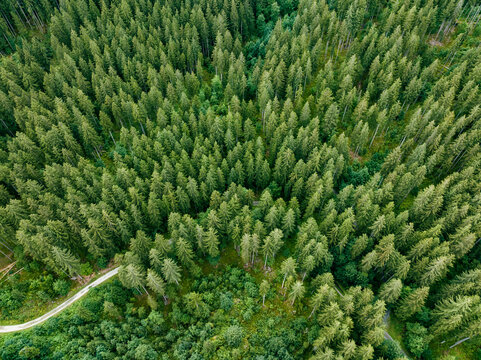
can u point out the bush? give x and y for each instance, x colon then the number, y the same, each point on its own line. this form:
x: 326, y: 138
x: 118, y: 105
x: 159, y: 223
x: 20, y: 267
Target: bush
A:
x: 61, y: 287
x: 390, y: 350
x: 226, y: 301
x: 102, y: 263
x: 234, y: 335
x: 417, y: 338
x: 10, y: 300
x: 251, y: 289
x: 247, y: 315
x: 85, y: 269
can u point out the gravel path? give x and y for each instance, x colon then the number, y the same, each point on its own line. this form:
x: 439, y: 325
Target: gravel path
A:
x: 386, y: 334
x: 62, y: 306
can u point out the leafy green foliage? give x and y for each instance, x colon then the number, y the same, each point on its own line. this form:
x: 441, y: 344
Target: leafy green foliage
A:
x: 417, y: 338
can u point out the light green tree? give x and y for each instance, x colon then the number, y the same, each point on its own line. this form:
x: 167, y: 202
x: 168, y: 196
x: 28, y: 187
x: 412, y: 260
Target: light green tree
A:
x: 297, y: 292
x: 171, y: 271
x: 264, y: 289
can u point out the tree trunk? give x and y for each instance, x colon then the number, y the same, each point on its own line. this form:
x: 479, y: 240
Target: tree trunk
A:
x: 8, y: 41
x: 110, y: 132
x: 98, y: 154
x: 5, y: 254
x: 374, y: 136
x: 460, y: 341
x: 1, y: 242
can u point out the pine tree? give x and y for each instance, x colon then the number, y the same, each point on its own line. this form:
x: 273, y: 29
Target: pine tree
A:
x: 331, y: 119
x: 319, y: 298
x: 289, y: 222
x: 184, y: 252
x: 297, y: 292
x: 288, y: 268
x: 132, y: 277
x: 245, y: 246
x: 156, y: 283
x: 171, y: 271
x: 211, y: 243
x: 308, y: 264
x: 412, y: 303
x: 141, y: 246
x: 390, y: 291
x: 65, y: 261
x: 436, y: 270
x: 457, y: 318
x: 272, y: 244
x: 264, y: 289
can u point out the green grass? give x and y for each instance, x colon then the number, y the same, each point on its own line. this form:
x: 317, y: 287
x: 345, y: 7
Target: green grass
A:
x: 4, y: 261
x: 34, y: 308
x: 395, y: 328
x: 465, y: 351
x: 460, y: 352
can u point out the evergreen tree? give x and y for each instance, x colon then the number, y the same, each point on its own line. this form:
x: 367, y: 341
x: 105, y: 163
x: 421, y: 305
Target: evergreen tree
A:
x: 171, y: 271
x: 288, y: 268
x: 156, y: 283
x: 297, y: 292
x: 263, y: 290
x: 412, y: 302
x: 390, y: 291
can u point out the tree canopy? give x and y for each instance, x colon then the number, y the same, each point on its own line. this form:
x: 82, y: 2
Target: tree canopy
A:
x: 316, y: 142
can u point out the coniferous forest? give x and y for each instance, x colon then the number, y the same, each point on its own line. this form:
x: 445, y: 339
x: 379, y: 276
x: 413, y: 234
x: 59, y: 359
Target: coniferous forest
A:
x: 275, y: 179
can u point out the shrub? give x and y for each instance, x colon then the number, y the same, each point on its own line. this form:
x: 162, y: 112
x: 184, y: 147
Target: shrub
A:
x: 417, y: 338
x: 85, y: 269
x: 226, y: 301
x: 61, y: 287
x: 234, y: 335
x: 390, y: 350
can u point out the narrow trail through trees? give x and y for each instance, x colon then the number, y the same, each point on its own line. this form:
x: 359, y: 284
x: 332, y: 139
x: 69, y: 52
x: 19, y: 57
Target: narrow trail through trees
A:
x: 61, y: 307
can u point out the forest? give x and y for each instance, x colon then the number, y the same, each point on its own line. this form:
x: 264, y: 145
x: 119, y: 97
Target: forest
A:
x: 275, y: 179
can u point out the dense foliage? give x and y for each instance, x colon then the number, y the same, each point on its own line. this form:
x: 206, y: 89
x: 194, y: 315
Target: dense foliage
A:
x: 108, y: 324
x: 18, y: 18
x: 323, y: 141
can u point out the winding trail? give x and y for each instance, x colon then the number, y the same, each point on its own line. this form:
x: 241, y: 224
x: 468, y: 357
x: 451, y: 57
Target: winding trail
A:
x: 62, y: 306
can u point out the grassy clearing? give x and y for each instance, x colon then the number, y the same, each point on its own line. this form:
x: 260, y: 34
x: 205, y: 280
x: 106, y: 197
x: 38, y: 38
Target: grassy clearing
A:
x: 395, y: 328
x: 4, y: 261
x: 460, y: 352
x: 465, y: 351
x: 34, y: 307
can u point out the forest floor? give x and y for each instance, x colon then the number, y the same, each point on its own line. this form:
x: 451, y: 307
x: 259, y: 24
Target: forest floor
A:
x: 41, y: 312
x: 61, y: 307
x: 394, y: 331
x: 229, y: 257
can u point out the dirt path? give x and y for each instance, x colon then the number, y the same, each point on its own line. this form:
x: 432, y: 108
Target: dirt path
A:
x: 386, y: 334
x: 62, y: 306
